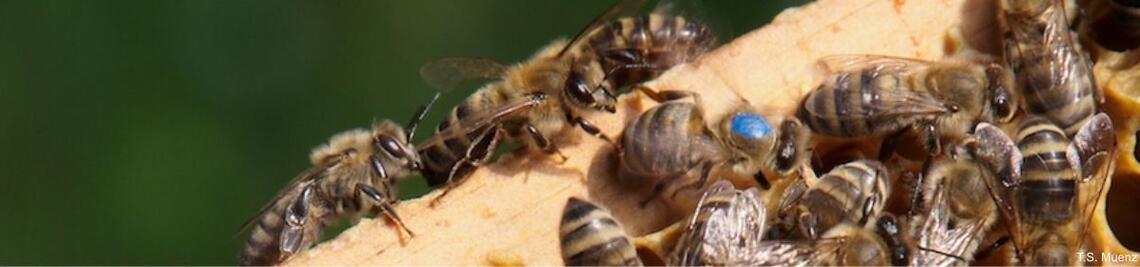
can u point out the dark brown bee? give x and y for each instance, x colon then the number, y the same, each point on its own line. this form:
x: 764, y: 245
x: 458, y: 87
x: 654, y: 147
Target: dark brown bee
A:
x: 855, y: 192
x: 354, y: 174
x: 726, y: 229
x: 1048, y: 186
x: 1053, y: 77
x: 541, y: 98
x: 672, y: 145
x: 590, y: 237
x: 956, y: 214
x: 869, y: 95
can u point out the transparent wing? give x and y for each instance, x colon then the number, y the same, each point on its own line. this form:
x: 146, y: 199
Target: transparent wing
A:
x: 478, y: 122
x: 295, y: 185
x: 1070, y: 68
x: 619, y: 9
x: 940, y: 241
x: 796, y: 253
x: 879, y: 64
x: 1095, y: 143
x: 881, y: 104
x: 445, y: 74
x: 726, y: 229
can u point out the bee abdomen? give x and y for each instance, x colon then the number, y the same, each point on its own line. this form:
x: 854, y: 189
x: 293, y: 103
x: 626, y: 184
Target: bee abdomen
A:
x: 441, y: 158
x: 590, y: 236
x: 263, y: 246
x: 842, y: 108
x: 676, y: 123
x: 660, y: 41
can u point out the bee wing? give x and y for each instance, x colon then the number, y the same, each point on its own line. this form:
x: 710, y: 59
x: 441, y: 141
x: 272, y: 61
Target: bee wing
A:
x: 879, y: 64
x: 1094, y: 145
x: 796, y: 253
x: 447, y: 73
x: 885, y: 104
x: 726, y: 227
x: 1070, y: 66
x: 619, y: 9
x: 941, y: 242
x: 480, y: 121
x: 298, y: 183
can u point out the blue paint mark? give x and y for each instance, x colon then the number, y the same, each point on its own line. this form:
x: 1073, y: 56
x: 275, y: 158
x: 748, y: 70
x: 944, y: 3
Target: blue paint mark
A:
x: 750, y: 125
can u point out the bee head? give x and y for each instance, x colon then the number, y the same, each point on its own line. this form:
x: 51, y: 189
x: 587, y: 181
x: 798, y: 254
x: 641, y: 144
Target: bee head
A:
x: 394, y: 152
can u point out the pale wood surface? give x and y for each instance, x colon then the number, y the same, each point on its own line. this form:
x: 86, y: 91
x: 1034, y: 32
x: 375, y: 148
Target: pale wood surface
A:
x: 507, y: 213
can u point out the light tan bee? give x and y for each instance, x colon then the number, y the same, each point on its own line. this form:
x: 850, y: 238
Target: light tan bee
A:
x: 956, y: 211
x: 353, y: 175
x: 590, y: 236
x: 673, y: 146
x: 1053, y: 77
x: 538, y: 100
x: 852, y: 193
x: 869, y: 95
x: 1048, y: 184
x: 726, y: 229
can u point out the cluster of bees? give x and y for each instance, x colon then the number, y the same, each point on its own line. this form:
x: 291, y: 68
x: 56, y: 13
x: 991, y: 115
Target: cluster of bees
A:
x: 1014, y: 151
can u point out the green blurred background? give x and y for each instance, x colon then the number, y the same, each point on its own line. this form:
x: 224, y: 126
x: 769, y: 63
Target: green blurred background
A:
x: 146, y: 132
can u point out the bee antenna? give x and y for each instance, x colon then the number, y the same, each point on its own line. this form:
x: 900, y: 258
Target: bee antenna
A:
x: 935, y: 251
x: 419, y: 116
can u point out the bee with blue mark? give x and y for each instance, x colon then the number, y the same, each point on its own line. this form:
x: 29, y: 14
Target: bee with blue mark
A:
x: 673, y: 146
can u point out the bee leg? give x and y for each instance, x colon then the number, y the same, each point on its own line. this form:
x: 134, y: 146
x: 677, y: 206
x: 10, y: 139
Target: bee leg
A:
x: 296, y: 215
x: 986, y: 251
x: 544, y: 143
x: 933, y: 144
x: 665, y: 95
x: 659, y: 188
x: 700, y: 183
x: 589, y: 127
x: 384, y: 201
x: 887, y: 149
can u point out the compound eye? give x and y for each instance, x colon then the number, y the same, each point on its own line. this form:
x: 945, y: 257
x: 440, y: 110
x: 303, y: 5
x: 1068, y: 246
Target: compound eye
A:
x: 578, y: 89
x: 390, y: 145
x: 750, y: 126
x: 1003, y: 105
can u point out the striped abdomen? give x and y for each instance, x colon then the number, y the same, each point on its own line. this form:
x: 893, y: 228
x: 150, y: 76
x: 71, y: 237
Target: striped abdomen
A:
x: 636, y: 49
x: 590, y: 237
x: 842, y: 195
x: 462, y: 153
x: 264, y: 244
x: 1052, y: 75
x: 861, y: 103
x: 666, y: 140
x: 1046, y: 194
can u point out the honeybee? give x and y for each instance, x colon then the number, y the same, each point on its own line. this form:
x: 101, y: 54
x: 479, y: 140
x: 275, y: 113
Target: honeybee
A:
x: 855, y: 192
x: 957, y: 211
x: 725, y: 230
x: 539, y: 99
x: 354, y: 174
x: 1052, y: 76
x: 1115, y: 24
x: 1048, y: 186
x: 590, y: 237
x: 868, y: 95
x: 845, y: 244
x: 673, y: 146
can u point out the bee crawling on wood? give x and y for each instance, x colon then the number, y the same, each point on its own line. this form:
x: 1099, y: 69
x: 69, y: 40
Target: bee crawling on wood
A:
x: 535, y: 101
x: 354, y: 174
